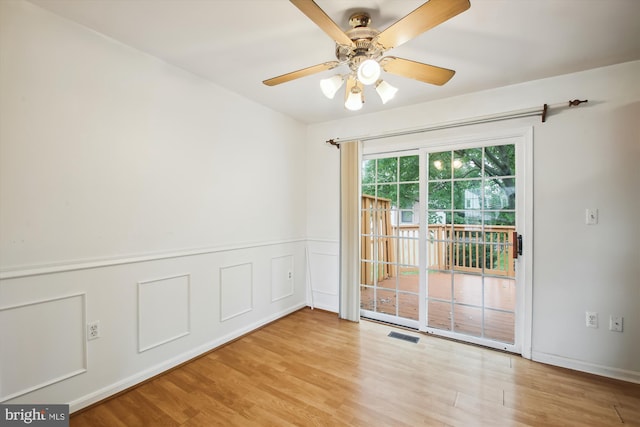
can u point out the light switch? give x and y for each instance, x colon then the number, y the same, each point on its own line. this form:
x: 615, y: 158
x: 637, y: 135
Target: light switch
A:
x: 591, y: 216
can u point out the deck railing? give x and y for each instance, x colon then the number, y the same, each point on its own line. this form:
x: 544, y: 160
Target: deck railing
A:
x: 459, y: 247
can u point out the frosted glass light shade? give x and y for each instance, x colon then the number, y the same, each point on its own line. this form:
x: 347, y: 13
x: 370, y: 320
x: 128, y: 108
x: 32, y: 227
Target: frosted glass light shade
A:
x: 386, y: 91
x: 354, y: 100
x: 368, y: 72
x: 331, y: 85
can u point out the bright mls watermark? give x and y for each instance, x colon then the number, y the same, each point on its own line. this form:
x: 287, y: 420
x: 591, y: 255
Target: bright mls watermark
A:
x: 34, y: 415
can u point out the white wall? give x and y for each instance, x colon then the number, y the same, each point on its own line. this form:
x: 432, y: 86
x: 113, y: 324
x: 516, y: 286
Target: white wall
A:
x: 167, y: 208
x: 585, y: 157
x: 139, y: 195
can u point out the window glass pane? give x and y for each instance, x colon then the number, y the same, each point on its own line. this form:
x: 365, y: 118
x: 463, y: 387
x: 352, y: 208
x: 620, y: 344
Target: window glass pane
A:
x: 500, y: 160
x: 500, y: 218
x: 467, y: 320
x: 467, y: 194
x: 440, y: 195
x: 409, y: 168
x: 368, y: 171
x: 439, y: 285
x: 439, y: 315
x: 440, y: 165
x: 500, y: 293
x: 388, y: 170
x: 467, y: 163
x: 407, y: 217
x: 468, y: 251
x: 409, y: 196
x: 499, y: 325
x: 386, y: 279
x: 499, y: 193
x: 497, y: 258
x: 408, y: 253
x: 439, y: 217
x: 467, y: 217
x: 439, y: 247
x: 367, y: 270
x: 408, y: 305
x: 368, y: 190
x: 386, y: 302
x: 467, y: 289
x: 367, y: 298
x: 394, y: 218
x: 387, y: 195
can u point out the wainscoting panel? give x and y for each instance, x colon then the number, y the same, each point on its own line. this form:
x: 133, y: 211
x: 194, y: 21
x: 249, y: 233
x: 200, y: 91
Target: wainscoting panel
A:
x: 164, y: 310
x: 53, y: 327
x: 236, y: 290
x: 324, y: 273
x: 281, y: 277
x: 155, y: 313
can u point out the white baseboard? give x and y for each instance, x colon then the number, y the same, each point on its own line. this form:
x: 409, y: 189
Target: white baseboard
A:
x: 591, y: 368
x: 119, y: 386
x: 324, y: 307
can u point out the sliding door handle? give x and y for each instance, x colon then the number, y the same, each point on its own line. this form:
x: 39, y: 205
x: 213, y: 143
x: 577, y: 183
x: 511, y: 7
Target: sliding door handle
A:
x: 516, y: 241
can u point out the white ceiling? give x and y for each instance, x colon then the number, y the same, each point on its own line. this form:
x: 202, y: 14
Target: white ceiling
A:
x: 239, y: 43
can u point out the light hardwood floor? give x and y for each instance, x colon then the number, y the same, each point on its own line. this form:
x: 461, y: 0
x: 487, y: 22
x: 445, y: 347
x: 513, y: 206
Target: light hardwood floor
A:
x: 310, y: 368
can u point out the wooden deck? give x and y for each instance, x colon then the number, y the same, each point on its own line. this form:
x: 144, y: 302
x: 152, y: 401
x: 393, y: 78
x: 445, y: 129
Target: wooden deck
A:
x: 499, y: 298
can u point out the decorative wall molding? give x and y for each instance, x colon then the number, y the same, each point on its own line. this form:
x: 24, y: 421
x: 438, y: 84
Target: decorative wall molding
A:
x: 161, y: 318
x: 62, y: 337
x: 282, y: 274
x: 323, y: 240
x: 236, y: 290
x: 86, y: 264
x: 186, y: 356
x: 330, y: 262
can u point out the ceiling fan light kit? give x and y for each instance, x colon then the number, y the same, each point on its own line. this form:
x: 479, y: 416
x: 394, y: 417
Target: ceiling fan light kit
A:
x: 386, y: 91
x: 368, y: 72
x: 355, y: 99
x: 362, y: 49
x: 331, y: 85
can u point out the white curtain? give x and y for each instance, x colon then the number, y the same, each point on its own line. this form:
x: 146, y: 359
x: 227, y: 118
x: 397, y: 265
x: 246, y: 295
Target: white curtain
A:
x: 350, y: 230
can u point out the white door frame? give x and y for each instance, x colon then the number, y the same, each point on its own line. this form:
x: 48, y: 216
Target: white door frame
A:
x: 523, y: 140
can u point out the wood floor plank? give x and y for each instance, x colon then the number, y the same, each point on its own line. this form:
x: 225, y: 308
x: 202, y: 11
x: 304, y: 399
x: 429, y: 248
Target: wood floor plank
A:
x: 312, y: 369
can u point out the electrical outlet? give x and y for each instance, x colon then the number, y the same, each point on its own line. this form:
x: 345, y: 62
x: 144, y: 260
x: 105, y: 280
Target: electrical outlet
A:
x: 591, y: 319
x: 615, y: 323
x: 290, y: 275
x: 93, y: 330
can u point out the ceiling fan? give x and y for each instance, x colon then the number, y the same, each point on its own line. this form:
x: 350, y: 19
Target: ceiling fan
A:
x: 362, y: 48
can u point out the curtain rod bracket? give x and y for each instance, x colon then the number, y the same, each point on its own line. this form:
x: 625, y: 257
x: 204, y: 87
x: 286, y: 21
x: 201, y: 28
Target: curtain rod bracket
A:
x: 546, y: 107
x: 334, y: 143
x: 576, y: 102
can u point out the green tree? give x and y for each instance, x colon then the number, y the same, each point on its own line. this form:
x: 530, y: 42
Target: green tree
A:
x: 393, y: 178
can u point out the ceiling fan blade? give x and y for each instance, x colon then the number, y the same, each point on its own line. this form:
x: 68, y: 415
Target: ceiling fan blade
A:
x: 427, y: 16
x: 301, y: 73
x: 416, y: 70
x: 322, y: 20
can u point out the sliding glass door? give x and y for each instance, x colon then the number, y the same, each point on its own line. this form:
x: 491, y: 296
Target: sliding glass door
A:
x: 471, y: 219
x: 390, y: 220
x: 438, y: 227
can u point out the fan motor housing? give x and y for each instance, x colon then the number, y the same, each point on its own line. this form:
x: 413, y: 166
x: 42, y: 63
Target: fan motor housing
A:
x: 362, y: 36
